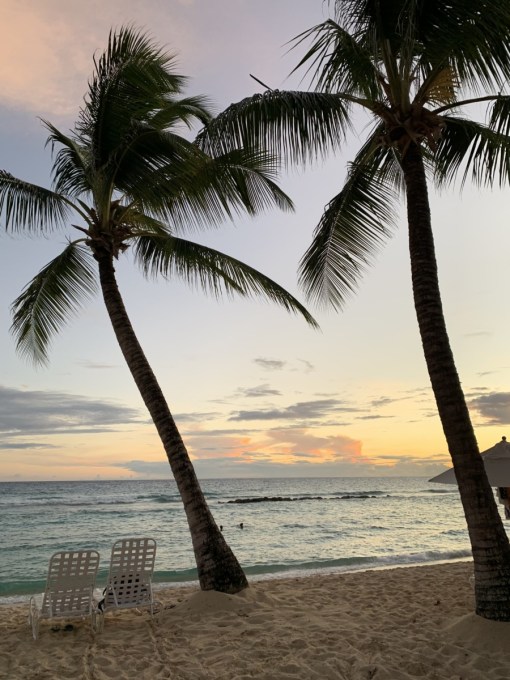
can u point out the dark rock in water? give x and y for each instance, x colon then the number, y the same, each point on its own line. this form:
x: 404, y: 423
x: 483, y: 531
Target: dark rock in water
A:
x: 289, y: 499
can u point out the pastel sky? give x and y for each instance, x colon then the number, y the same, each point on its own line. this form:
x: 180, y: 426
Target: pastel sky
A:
x: 255, y: 392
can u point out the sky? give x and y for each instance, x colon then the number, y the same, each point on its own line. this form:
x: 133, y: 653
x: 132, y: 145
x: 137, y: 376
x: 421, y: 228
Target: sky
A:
x: 255, y: 391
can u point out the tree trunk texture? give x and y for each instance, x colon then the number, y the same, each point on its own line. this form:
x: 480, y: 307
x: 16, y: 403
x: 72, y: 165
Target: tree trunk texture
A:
x: 489, y: 542
x: 218, y: 568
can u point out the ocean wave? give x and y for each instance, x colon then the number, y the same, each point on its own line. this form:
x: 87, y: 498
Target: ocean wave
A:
x: 357, y: 562
x: 159, y: 498
x: 361, y: 494
x: 72, y: 504
x: 18, y: 591
x: 454, y: 489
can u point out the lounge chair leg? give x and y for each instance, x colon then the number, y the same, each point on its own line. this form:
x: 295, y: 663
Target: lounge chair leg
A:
x: 98, y: 622
x: 34, y: 618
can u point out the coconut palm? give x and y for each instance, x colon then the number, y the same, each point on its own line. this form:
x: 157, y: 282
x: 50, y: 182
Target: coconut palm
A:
x: 126, y: 180
x: 413, y: 67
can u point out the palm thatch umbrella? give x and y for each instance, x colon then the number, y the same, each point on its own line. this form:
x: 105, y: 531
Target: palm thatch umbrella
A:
x: 497, y: 466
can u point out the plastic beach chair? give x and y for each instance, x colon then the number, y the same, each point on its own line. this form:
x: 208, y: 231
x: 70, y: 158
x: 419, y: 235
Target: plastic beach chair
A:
x: 130, y: 578
x: 69, y: 589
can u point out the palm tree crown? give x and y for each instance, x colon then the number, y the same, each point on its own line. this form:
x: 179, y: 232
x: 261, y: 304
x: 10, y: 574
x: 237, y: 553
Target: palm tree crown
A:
x: 413, y: 66
x: 126, y: 178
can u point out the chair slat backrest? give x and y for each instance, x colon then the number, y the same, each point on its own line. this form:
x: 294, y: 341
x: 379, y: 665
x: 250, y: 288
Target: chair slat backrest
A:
x: 70, y: 583
x: 131, y: 568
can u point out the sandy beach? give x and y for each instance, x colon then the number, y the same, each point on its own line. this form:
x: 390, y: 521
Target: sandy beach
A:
x: 394, y: 624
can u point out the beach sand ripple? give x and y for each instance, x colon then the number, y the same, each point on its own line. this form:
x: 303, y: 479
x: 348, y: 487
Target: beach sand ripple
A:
x: 395, y: 624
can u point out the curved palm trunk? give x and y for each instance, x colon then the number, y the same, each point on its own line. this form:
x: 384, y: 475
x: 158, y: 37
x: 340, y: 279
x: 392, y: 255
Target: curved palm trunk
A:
x: 218, y: 568
x: 489, y: 542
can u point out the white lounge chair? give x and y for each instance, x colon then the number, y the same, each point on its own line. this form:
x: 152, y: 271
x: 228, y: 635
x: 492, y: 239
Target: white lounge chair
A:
x: 130, y: 578
x: 69, y: 588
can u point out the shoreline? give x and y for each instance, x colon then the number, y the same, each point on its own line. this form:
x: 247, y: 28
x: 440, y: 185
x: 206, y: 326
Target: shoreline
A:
x: 290, y: 573
x: 395, y: 623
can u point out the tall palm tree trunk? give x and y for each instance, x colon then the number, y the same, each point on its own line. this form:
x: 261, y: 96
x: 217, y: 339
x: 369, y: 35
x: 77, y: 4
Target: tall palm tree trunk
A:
x: 490, y: 546
x: 218, y: 568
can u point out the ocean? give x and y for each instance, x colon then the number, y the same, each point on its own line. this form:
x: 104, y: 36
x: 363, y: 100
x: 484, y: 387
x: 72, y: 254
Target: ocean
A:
x: 290, y: 526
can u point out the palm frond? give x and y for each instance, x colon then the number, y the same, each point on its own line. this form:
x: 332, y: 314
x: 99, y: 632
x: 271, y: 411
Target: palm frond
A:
x: 133, y: 79
x: 294, y: 126
x: 199, y: 191
x: 26, y: 206
x: 185, y: 111
x: 353, y: 227
x: 439, y: 87
x: 339, y: 62
x: 56, y: 293
x: 142, y: 224
x: 212, y: 271
x: 473, y: 150
x: 499, y: 119
x: 71, y: 167
x: 139, y: 166
x: 469, y: 36
x: 233, y: 183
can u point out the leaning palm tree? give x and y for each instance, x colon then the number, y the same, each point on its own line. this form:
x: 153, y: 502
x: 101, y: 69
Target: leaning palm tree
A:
x: 125, y: 178
x: 412, y: 66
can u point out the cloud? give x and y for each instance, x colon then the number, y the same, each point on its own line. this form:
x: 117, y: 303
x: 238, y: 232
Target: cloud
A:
x: 95, y: 365
x: 494, y: 407
x: 270, y: 364
x: 46, y: 54
x: 146, y: 468
x: 302, y: 410
x: 42, y: 65
x: 382, y: 401
x: 221, y: 467
x: 28, y: 413
x: 373, y: 416
x: 29, y: 446
x: 196, y: 416
x: 279, y: 445
x: 479, y: 334
x: 259, y: 391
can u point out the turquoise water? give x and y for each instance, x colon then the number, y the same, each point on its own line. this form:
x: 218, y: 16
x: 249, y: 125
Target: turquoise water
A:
x: 318, y: 524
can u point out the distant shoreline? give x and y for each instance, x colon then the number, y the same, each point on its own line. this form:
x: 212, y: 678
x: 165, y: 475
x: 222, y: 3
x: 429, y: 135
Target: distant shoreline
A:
x: 15, y: 598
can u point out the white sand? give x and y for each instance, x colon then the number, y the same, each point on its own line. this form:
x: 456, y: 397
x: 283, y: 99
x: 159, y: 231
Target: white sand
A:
x: 393, y: 624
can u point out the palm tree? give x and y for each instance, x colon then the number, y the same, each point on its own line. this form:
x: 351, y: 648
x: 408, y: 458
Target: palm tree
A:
x: 412, y: 66
x: 125, y: 179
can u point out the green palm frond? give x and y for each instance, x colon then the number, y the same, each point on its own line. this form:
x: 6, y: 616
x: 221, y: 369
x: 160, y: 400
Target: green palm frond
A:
x: 26, y: 206
x: 355, y: 224
x: 235, y: 182
x: 199, y: 191
x: 141, y: 224
x: 71, y: 167
x: 295, y: 126
x: 212, y: 271
x: 473, y: 150
x: 499, y: 120
x: 458, y: 33
x: 339, y: 62
x: 463, y: 32
x: 56, y: 293
x: 185, y: 111
x: 134, y: 78
x: 145, y: 161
